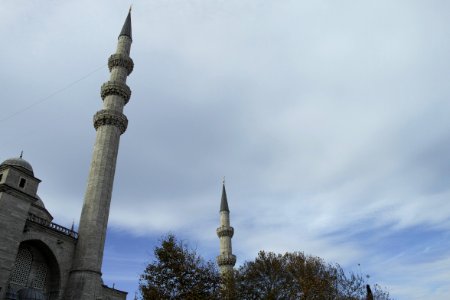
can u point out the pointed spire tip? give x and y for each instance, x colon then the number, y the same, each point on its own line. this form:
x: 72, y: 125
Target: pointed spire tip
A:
x: 224, y: 200
x: 126, y: 29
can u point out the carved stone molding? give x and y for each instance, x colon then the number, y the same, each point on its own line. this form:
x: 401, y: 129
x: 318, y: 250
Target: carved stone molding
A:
x: 110, y: 117
x: 226, y: 260
x: 116, y: 88
x: 6, y: 188
x: 120, y: 60
x: 225, y: 231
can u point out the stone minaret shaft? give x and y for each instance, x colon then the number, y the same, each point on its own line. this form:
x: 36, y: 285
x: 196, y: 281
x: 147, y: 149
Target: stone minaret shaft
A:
x: 226, y: 259
x: 110, y: 123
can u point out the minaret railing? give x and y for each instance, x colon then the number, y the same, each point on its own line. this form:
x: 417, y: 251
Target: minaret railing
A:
x: 225, y: 231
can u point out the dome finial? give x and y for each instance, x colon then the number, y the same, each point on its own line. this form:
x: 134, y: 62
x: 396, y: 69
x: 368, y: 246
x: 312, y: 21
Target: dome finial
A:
x: 21, y: 154
x: 19, y: 162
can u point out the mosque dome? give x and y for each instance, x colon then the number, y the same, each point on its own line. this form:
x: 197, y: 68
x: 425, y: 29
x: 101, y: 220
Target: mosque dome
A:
x: 30, y: 294
x: 18, y: 162
x: 39, y: 202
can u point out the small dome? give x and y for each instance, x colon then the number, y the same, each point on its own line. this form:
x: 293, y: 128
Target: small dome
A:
x: 18, y: 162
x: 39, y: 202
x: 30, y: 294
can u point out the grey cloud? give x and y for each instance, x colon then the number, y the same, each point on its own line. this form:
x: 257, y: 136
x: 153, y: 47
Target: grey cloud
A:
x: 321, y: 115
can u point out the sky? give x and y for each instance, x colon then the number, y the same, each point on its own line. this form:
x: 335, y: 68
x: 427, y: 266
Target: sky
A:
x: 329, y: 120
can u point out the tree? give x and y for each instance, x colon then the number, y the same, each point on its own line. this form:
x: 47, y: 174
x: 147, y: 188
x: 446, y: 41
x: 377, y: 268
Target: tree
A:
x: 288, y: 276
x: 179, y: 273
x: 298, y: 276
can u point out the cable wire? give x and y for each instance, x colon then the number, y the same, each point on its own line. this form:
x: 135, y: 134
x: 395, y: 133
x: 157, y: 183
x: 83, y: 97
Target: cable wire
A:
x: 51, y: 95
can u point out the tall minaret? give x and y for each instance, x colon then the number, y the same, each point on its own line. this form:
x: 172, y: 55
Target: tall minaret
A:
x: 226, y: 259
x: 85, y: 277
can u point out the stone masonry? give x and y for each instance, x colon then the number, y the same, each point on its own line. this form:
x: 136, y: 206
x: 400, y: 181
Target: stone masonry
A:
x: 15, y: 202
x: 35, y: 254
x: 85, y: 277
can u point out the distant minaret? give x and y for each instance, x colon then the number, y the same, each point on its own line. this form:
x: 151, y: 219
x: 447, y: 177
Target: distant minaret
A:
x: 85, y: 277
x: 226, y: 259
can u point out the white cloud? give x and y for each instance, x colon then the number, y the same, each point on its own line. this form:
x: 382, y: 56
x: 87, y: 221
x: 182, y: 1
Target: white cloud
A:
x: 329, y: 120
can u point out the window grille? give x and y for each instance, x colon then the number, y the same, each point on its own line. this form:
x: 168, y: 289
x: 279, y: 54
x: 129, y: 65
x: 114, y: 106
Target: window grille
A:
x: 41, y: 276
x: 22, y: 267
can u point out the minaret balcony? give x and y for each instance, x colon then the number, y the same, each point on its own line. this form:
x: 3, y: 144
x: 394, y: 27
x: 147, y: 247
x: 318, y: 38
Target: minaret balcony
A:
x: 225, y: 231
x: 110, y: 117
x: 226, y: 260
x: 120, y: 60
x: 116, y: 88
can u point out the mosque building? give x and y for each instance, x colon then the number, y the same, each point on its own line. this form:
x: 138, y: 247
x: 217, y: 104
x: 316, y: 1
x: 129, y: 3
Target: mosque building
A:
x: 41, y: 260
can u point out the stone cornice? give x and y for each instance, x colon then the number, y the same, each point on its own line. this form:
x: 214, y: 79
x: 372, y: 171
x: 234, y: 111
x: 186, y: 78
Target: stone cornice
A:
x: 85, y: 270
x: 120, y: 60
x: 30, y: 230
x: 116, y: 88
x: 111, y: 117
x: 6, y: 188
x: 28, y: 173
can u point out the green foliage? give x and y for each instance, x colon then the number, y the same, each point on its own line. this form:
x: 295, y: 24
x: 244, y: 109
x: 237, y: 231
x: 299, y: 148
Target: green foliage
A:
x: 298, y: 276
x: 288, y: 276
x: 179, y: 273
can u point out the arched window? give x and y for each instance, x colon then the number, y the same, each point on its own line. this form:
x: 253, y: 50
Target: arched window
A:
x: 36, y: 269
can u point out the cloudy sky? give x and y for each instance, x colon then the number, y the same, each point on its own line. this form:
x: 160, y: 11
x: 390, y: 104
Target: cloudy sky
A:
x: 329, y: 120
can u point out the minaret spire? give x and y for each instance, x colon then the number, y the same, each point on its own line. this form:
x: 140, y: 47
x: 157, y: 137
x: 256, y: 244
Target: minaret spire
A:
x: 126, y: 28
x: 224, y: 200
x: 226, y: 259
x: 110, y: 123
